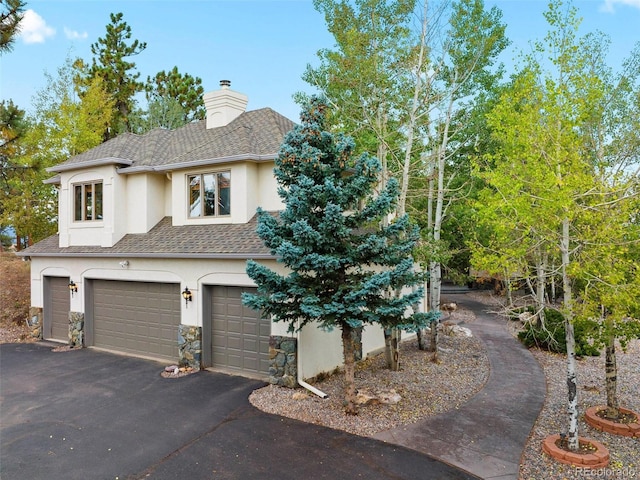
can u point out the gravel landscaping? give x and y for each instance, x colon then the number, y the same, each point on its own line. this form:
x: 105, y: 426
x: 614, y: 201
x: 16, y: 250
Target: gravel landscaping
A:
x: 427, y: 389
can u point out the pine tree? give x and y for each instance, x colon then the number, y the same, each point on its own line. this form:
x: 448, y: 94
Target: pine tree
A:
x: 11, y: 15
x: 110, y: 62
x: 344, y: 266
x: 183, y: 88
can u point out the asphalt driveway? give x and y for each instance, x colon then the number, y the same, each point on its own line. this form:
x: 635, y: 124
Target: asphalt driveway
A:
x: 93, y: 415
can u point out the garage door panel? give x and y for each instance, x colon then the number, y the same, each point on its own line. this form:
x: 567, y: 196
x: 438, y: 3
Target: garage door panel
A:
x: 234, y: 343
x: 239, y: 337
x: 235, y: 361
x: 250, y: 344
x: 249, y: 328
x: 234, y: 326
x: 219, y: 341
x: 139, y: 318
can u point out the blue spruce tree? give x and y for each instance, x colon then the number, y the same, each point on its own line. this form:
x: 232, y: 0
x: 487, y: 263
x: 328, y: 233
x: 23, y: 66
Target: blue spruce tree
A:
x: 347, y: 270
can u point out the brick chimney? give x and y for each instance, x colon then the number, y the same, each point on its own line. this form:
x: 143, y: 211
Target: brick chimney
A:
x: 224, y: 105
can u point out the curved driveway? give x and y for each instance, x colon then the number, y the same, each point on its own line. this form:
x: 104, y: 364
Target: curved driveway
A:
x: 486, y: 435
x: 92, y: 415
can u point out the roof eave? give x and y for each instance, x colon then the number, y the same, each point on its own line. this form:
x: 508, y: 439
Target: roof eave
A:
x: 55, y: 180
x: 212, y: 256
x: 251, y: 157
x: 65, y: 167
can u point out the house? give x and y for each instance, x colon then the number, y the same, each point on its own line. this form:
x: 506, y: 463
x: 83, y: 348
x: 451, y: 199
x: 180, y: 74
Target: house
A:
x: 154, y: 234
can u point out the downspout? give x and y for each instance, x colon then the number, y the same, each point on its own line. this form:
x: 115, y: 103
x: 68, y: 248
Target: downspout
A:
x: 301, y: 382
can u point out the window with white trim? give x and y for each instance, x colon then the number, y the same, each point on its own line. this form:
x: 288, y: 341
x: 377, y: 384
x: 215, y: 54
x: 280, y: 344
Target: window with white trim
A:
x: 87, y: 201
x: 209, y: 194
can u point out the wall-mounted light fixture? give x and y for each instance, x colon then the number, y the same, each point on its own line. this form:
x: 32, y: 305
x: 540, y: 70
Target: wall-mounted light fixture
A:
x: 124, y: 263
x: 187, y: 295
x: 73, y: 288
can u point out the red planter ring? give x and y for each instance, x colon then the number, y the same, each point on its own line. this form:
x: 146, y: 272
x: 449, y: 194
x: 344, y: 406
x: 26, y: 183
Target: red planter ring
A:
x: 597, y: 459
x: 626, y: 429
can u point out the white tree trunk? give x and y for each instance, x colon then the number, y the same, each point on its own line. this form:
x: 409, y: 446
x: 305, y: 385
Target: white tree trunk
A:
x: 541, y: 278
x: 572, y: 383
x: 412, y: 124
x: 435, y: 282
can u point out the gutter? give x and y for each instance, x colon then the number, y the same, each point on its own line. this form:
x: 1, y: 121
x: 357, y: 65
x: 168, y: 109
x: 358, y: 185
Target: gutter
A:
x: 89, y: 163
x: 311, y: 388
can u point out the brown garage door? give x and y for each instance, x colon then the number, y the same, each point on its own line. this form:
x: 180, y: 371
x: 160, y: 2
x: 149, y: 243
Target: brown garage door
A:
x: 239, y: 336
x: 56, y: 308
x: 139, y: 318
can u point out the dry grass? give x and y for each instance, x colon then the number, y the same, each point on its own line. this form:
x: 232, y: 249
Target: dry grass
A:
x: 15, y: 297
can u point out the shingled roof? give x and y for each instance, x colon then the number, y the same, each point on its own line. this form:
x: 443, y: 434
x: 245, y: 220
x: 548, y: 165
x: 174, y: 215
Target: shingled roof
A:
x: 253, y: 135
x: 168, y: 241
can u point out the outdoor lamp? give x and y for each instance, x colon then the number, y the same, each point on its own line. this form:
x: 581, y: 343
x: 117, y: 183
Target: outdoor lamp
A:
x: 73, y: 288
x: 186, y: 294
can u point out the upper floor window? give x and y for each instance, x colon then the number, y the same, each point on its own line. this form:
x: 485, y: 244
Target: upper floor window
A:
x: 210, y: 194
x: 87, y: 201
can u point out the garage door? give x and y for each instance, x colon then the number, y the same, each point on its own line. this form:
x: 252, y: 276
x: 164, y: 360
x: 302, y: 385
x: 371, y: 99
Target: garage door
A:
x: 239, y: 336
x: 137, y: 318
x: 56, y: 308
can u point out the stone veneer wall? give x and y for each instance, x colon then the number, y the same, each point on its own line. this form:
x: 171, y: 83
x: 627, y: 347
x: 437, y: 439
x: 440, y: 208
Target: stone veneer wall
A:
x: 190, y: 346
x: 76, y: 329
x: 283, y: 352
x: 35, y: 322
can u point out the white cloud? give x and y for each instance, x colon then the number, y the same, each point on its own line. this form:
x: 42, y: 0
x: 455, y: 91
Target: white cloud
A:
x: 609, y: 5
x: 74, y: 34
x: 33, y: 28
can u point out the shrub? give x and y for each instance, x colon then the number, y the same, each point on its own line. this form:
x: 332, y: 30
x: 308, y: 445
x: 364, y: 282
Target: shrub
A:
x: 552, y: 336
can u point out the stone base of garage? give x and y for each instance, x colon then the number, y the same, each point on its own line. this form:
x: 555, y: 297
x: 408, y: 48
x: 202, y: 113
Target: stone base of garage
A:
x: 190, y: 346
x: 34, y: 322
x: 283, y: 353
x: 76, y: 329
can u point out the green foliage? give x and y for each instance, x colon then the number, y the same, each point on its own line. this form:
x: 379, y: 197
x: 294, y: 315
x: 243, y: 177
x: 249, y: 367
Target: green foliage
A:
x: 25, y: 203
x: 69, y: 118
x: 160, y: 113
x: 173, y: 100
x: 62, y: 125
x: 184, y: 89
x: 344, y: 267
x: 559, y: 185
x: 361, y: 76
x: 400, y: 94
x: 13, y: 126
x: 551, y: 335
x: 110, y: 62
x: 10, y: 18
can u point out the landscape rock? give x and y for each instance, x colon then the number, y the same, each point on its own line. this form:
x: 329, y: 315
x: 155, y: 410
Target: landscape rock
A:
x: 390, y: 398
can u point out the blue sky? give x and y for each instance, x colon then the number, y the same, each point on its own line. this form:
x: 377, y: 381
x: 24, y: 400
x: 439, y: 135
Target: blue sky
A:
x: 262, y: 46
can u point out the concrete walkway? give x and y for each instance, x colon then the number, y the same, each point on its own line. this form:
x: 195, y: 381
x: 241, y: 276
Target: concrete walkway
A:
x: 486, y: 436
